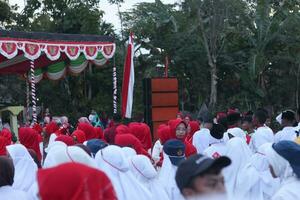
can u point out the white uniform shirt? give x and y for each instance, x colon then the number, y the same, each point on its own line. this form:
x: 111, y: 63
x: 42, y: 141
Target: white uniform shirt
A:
x: 215, y: 150
x: 8, y: 193
x: 289, y: 190
x: 261, y: 136
x: 287, y: 133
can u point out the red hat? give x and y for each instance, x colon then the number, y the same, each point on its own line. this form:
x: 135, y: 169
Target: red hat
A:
x: 99, y: 132
x: 68, y: 140
x: 75, y: 182
x: 30, y: 139
x: 79, y: 136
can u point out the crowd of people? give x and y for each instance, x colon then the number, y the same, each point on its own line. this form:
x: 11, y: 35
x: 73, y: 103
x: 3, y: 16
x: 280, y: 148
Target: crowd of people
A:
x: 227, y: 156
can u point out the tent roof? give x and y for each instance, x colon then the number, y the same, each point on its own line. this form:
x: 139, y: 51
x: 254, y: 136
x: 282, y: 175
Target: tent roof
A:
x: 18, y: 48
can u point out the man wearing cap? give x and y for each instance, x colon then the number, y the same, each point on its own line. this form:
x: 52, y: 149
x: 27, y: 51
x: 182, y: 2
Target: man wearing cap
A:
x: 218, y: 148
x: 202, y: 138
x: 284, y: 161
x: 200, y: 177
x: 288, y: 132
x: 173, y: 153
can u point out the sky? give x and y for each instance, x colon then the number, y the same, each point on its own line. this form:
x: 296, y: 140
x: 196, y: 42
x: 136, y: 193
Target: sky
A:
x: 111, y: 11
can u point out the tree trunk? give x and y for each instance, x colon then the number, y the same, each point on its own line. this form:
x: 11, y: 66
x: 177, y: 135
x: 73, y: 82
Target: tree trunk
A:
x: 213, y: 86
x: 297, y: 87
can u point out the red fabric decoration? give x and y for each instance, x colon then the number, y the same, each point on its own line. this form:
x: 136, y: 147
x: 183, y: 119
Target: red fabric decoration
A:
x: 7, y: 134
x: 99, y: 133
x: 68, y: 140
x: 3, y: 144
x: 88, y: 129
x: 129, y: 140
x: 79, y: 136
x: 142, y: 132
x: 76, y: 182
x: 30, y: 139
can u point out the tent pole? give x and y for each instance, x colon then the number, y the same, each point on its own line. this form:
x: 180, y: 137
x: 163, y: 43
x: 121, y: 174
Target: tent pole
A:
x: 33, y: 92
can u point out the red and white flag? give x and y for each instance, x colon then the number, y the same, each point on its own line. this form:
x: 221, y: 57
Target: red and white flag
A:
x: 128, y: 80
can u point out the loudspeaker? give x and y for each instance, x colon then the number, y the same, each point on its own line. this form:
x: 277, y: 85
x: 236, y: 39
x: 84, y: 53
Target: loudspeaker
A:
x: 160, y: 101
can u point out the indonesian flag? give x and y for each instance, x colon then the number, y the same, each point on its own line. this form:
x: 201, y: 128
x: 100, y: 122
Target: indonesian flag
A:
x: 128, y: 80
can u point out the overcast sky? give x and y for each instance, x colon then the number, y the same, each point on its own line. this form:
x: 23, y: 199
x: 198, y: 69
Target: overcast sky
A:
x: 110, y: 10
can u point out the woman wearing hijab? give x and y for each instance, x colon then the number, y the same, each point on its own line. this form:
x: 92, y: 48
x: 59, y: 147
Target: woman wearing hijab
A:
x: 30, y: 139
x: 284, y: 161
x: 99, y: 133
x: 142, y: 132
x: 3, y: 144
x: 239, y: 154
x: 76, y: 182
x: 25, y: 167
x: 163, y: 132
x: 194, y: 127
x: 63, y: 154
x: 79, y: 136
x: 112, y: 161
x: 145, y: 173
x: 7, y: 134
x: 88, y: 129
x: 68, y: 140
x: 255, y: 181
x: 129, y: 140
x: 7, y: 179
x: 178, y: 130
x: 129, y: 152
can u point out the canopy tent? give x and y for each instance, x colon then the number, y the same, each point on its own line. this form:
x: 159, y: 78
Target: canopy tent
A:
x: 51, y: 55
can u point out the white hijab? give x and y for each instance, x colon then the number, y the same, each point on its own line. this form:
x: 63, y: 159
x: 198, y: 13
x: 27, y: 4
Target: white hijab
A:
x: 129, y: 152
x: 255, y: 181
x: 144, y: 172
x: 112, y: 161
x: 281, y: 166
x: 167, y: 178
x: 239, y: 153
x: 25, y: 167
x: 60, y: 154
x: 51, y: 142
x: 236, y: 132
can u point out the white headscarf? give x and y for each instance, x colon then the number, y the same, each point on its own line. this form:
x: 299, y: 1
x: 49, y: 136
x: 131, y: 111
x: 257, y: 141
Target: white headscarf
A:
x: 255, y: 181
x: 236, y: 132
x: 52, y: 142
x: 202, y: 139
x: 167, y: 178
x: 62, y: 154
x: 281, y: 166
x: 261, y: 136
x: 112, y: 161
x: 144, y: 171
x: 25, y: 167
x: 239, y: 153
x: 129, y: 152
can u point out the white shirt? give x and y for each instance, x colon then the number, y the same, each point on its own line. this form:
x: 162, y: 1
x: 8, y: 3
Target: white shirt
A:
x: 287, y: 133
x: 215, y: 150
x: 289, y: 190
x: 201, y: 139
x: 157, y: 149
x: 261, y: 136
x: 8, y: 193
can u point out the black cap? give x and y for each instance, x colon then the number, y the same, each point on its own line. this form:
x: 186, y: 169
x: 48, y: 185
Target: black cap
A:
x: 195, y: 165
x: 217, y: 131
x: 175, y: 150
